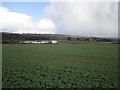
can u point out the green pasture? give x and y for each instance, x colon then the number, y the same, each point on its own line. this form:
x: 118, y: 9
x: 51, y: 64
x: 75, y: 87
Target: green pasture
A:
x: 59, y: 65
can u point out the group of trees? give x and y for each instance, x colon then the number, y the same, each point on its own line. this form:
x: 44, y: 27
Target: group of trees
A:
x: 92, y: 39
x: 10, y: 38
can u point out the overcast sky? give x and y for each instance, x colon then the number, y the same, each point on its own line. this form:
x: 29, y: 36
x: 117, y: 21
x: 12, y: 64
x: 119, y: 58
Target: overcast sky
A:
x: 76, y: 18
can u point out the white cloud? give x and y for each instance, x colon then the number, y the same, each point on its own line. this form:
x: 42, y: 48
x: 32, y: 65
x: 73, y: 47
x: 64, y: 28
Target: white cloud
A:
x: 84, y: 0
x: 23, y: 23
x: 81, y: 18
x: 93, y: 18
x: 46, y: 25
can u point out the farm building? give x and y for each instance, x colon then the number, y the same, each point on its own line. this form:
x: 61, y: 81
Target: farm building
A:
x: 54, y: 41
x: 45, y: 42
x: 39, y: 42
x: 28, y: 42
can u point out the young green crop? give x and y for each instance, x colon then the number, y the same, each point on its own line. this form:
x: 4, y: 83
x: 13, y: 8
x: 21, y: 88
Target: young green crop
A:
x: 60, y: 66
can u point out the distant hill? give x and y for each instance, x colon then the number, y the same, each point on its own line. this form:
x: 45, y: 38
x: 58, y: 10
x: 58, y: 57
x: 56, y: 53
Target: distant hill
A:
x: 15, y: 38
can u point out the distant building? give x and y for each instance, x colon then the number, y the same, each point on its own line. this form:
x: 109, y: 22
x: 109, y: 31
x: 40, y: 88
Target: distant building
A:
x: 39, y: 42
x: 28, y: 42
x: 54, y: 41
x: 45, y: 42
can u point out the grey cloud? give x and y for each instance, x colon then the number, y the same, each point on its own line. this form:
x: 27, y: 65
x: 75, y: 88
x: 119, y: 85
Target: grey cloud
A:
x: 93, y: 18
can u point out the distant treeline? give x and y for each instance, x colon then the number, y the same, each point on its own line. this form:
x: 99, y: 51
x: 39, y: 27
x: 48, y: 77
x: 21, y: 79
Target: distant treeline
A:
x: 11, y: 38
x: 15, y: 38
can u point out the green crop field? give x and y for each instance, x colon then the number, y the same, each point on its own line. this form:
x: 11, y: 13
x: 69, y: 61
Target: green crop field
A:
x: 60, y: 66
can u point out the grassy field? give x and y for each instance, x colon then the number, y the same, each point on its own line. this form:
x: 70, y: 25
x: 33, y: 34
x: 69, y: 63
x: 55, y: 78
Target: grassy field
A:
x: 60, y: 66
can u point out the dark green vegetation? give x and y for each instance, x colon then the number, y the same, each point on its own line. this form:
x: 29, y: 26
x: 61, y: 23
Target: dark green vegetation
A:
x: 12, y: 38
x: 60, y: 66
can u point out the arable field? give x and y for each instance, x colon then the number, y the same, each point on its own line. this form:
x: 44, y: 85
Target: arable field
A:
x: 60, y: 66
